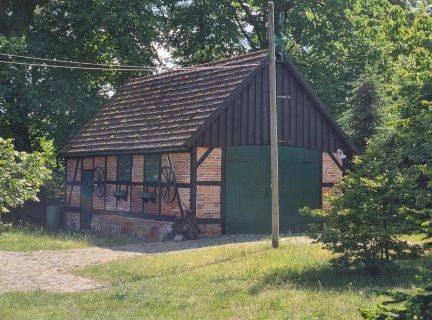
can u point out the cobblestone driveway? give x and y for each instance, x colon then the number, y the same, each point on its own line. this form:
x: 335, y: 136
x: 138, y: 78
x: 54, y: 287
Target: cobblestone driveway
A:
x: 51, y: 270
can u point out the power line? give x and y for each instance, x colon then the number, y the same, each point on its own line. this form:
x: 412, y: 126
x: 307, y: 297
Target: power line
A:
x: 107, y: 67
x: 71, y: 62
x: 72, y: 67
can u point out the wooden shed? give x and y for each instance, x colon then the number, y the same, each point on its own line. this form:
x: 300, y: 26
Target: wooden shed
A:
x: 199, y: 139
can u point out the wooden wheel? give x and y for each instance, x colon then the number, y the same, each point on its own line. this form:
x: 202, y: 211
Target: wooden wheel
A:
x: 168, y: 184
x: 99, y: 181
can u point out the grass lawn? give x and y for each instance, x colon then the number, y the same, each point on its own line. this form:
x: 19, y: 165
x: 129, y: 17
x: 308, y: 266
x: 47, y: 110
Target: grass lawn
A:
x: 29, y: 239
x: 242, y: 281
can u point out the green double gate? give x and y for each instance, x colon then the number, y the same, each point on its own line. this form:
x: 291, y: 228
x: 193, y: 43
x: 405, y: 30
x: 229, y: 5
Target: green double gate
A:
x: 248, y: 193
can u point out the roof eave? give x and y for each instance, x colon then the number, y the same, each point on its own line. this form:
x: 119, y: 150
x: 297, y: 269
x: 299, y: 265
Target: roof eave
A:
x: 66, y: 154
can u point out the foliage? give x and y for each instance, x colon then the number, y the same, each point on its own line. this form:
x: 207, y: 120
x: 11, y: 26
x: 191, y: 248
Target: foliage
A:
x: 38, y: 102
x: 364, y: 223
x: 388, y: 190
x: 21, y: 175
x: 413, y: 305
x: 362, y: 118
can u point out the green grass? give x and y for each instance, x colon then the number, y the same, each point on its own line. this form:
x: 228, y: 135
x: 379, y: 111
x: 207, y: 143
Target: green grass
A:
x: 242, y: 281
x: 33, y: 238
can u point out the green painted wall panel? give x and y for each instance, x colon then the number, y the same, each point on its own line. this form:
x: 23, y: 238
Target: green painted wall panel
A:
x: 248, y: 195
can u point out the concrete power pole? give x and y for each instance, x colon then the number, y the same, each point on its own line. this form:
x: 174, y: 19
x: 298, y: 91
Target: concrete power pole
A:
x: 274, y: 156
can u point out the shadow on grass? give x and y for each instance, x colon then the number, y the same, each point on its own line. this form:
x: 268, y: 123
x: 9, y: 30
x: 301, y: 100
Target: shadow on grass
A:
x: 40, y: 238
x: 151, y: 247
x: 333, y: 279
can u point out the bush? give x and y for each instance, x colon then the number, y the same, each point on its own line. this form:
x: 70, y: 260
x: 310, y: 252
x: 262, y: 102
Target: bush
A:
x: 366, y: 219
x: 413, y: 305
x: 21, y: 175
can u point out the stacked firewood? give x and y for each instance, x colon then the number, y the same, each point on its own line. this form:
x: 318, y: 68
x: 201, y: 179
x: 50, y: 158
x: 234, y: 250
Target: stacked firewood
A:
x: 184, y: 228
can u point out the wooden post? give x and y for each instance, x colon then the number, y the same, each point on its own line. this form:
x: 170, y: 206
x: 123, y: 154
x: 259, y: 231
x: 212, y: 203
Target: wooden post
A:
x: 193, y: 180
x: 274, y: 156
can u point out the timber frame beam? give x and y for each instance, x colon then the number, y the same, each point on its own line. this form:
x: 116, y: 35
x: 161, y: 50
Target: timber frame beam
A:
x: 204, y: 156
x: 341, y: 168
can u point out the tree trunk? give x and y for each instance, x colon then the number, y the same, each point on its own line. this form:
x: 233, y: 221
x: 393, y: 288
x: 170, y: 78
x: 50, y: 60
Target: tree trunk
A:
x: 2, y: 17
x: 22, y: 137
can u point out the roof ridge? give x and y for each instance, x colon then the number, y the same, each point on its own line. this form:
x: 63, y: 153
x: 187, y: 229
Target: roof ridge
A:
x: 189, y: 69
x: 221, y: 61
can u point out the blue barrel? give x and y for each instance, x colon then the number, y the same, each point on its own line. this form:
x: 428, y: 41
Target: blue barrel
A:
x: 52, y: 215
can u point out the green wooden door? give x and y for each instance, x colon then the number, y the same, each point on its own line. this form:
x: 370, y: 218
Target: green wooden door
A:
x: 86, y: 201
x: 299, y: 186
x: 247, y: 190
x: 248, y: 194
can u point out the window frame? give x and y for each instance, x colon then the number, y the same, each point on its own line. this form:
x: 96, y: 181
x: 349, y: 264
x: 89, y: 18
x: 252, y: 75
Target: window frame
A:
x: 156, y: 157
x: 122, y: 158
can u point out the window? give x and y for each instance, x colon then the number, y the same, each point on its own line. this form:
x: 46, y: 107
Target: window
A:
x: 124, y: 168
x: 151, y: 168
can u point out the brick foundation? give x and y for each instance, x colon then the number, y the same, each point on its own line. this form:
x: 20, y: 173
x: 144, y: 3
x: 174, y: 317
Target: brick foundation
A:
x: 114, y: 224
x: 142, y: 228
x: 72, y: 221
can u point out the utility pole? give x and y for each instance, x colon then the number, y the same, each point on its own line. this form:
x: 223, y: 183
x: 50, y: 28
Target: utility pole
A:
x: 274, y: 152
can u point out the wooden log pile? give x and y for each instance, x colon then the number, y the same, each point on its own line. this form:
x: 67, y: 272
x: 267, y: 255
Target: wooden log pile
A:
x: 186, y: 226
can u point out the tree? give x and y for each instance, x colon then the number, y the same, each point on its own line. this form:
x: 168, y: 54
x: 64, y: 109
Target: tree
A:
x: 364, y: 223
x: 38, y: 102
x: 414, y: 305
x: 361, y: 119
x: 388, y: 191
x: 21, y: 175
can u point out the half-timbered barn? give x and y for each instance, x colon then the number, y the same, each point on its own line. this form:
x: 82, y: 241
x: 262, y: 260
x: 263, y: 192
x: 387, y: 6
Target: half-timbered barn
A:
x: 198, y: 140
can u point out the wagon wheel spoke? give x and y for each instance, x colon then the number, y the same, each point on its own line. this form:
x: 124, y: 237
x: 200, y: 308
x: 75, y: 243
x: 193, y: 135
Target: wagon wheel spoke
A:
x: 165, y: 191
x: 165, y: 174
x: 170, y: 176
x: 167, y: 184
x: 168, y: 193
x: 99, y: 181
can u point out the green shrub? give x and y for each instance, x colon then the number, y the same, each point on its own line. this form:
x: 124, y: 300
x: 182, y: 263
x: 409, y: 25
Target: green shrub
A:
x: 366, y: 220
x: 21, y: 175
x: 413, y: 305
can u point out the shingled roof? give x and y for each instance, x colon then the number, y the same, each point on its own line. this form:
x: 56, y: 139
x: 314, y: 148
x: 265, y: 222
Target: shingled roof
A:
x: 162, y: 111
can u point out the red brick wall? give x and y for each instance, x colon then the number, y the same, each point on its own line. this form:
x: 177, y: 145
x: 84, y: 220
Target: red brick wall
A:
x: 111, y: 172
x: 136, y: 201
x: 70, y: 170
x: 208, y: 201
x: 72, y: 220
x: 210, y: 169
x: 152, y: 207
x: 210, y: 229
x: 330, y: 174
x: 208, y: 197
x: 88, y: 163
x: 73, y: 199
x: 123, y: 204
x: 99, y: 202
x: 181, y: 167
x: 138, y: 168
x: 114, y: 224
x: 111, y: 201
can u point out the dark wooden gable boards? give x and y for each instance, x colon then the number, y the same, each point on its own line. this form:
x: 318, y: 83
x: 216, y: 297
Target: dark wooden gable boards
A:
x: 303, y: 120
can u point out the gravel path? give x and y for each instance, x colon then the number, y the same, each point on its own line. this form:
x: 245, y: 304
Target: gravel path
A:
x: 50, y: 270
